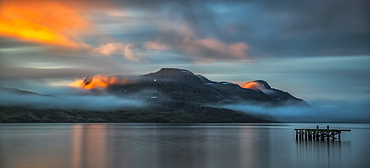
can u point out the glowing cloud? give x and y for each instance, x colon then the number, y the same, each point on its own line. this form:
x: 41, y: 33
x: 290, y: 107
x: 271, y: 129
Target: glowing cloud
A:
x: 152, y: 45
x: 117, y: 48
x: 49, y: 22
x: 98, y: 81
x: 257, y: 86
x: 236, y: 50
x: 200, y: 49
x: 254, y: 85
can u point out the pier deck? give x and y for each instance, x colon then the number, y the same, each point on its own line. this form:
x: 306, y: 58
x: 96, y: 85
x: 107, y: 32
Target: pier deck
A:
x: 317, y: 134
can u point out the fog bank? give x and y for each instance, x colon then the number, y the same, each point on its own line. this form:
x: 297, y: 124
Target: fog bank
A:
x: 341, y: 111
x: 82, y: 102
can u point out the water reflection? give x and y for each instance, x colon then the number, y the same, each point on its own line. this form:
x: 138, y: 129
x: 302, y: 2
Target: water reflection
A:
x: 34, y: 145
x: 250, y: 140
x: 320, y: 153
x: 112, y: 145
x: 88, y: 145
x: 76, y: 146
x: 176, y: 145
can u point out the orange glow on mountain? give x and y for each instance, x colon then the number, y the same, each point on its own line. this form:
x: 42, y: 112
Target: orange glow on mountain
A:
x: 251, y: 85
x: 49, y: 22
x: 257, y: 86
x: 98, y: 81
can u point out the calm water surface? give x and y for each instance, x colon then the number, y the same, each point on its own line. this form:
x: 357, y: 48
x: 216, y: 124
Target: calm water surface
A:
x: 178, y: 146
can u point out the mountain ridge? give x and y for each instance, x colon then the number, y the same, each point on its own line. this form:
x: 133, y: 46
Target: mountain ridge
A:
x: 182, y: 84
x: 172, y: 94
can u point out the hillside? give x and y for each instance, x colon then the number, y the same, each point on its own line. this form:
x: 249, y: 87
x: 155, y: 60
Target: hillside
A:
x: 170, y: 95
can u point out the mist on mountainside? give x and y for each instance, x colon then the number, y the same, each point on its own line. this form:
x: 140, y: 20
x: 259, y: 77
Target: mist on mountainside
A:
x: 171, y: 89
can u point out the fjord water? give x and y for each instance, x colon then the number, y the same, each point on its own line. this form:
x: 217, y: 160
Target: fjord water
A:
x: 178, y: 145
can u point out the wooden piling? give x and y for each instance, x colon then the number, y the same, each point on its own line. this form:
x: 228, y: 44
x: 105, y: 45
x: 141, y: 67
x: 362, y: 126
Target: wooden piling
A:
x: 327, y: 133
x: 339, y: 136
x: 296, y: 134
x: 305, y: 134
x: 317, y: 134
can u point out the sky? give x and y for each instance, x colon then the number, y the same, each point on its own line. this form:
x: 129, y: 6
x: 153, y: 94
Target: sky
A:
x: 314, y: 49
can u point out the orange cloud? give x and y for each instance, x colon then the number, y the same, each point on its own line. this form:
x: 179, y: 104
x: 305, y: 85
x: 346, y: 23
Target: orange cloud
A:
x: 236, y: 50
x: 152, y: 45
x: 200, y: 49
x: 98, y: 81
x: 48, y: 22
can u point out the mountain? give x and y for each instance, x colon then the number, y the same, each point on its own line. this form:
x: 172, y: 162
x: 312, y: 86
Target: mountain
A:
x: 172, y: 85
x: 171, y: 95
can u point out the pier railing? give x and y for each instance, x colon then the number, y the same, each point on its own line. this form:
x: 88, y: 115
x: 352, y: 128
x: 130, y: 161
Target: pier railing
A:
x: 317, y: 134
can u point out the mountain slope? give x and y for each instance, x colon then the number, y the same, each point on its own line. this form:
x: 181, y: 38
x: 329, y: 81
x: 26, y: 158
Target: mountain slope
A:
x: 170, y: 94
x: 180, y: 85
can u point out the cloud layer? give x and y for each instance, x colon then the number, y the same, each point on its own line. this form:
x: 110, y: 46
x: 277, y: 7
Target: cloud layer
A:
x: 198, y: 49
x: 68, y: 101
x: 314, y: 49
x: 201, y: 31
x: 346, y: 111
x: 126, y: 50
x: 49, y: 22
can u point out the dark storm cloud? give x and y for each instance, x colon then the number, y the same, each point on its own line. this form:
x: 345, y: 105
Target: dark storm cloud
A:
x: 23, y: 61
x: 31, y: 73
x: 319, y: 28
x: 177, y: 33
x: 86, y: 67
x: 275, y: 28
x: 267, y: 27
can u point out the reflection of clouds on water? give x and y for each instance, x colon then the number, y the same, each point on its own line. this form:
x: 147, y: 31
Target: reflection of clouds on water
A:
x: 88, y: 145
x: 178, y: 145
x: 168, y: 146
x: 33, y: 145
x: 249, y: 142
x: 76, y: 146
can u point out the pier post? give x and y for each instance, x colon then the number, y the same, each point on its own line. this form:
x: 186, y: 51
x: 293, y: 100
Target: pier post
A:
x: 333, y: 136
x: 306, y: 134
x: 301, y: 134
x: 327, y: 133
x: 339, y: 135
x: 296, y: 134
x: 317, y: 134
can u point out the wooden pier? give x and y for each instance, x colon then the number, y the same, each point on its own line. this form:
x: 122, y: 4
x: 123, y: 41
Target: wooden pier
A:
x: 317, y: 134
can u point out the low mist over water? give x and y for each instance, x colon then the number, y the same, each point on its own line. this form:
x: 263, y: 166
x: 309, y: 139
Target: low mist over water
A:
x: 178, y: 145
x: 337, y: 111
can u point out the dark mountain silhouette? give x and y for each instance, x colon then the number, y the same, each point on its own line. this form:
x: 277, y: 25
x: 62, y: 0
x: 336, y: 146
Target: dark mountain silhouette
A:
x: 173, y: 95
x: 173, y: 85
